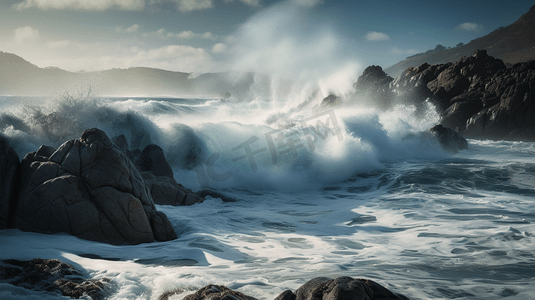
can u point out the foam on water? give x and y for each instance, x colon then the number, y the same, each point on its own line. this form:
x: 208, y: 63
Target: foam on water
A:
x: 383, y: 202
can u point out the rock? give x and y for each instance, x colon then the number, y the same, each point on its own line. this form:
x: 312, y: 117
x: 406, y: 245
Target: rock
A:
x: 90, y: 189
x: 330, y: 101
x: 513, y: 117
x: 449, y: 140
x: 214, y: 194
x: 9, y: 176
x: 153, y: 160
x: 158, y: 175
x: 320, y: 288
x: 217, y: 292
x: 52, y: 276
x: 343, y: 288
x: 373, y: 86
x: 166, y: 191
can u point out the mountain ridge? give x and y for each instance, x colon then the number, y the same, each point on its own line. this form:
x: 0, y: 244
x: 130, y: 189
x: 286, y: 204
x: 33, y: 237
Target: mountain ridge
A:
x: 513, y: 44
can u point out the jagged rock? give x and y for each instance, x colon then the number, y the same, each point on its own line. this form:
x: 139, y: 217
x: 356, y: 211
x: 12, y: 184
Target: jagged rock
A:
x: 374, y: 86
x: 449, y: 140
x: 513, y: 117
x: 330, y: 101
x: 9, y: 176
x: 217, y: 292
x: 341, y: 288
x: 153, y: 160
x: 214, y: 194
x: 166, y: 191
x: 90, y: 189
x: 52, y: 276
x: 320, y: 288
x: 158, y: 175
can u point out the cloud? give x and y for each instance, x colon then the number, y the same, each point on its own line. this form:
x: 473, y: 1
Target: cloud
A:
x: 191, y: 5
x: 26, y: 34
x: 180, y: 57
x: 88, y: 5
x: 219, y: 48
x: 308, y: 3
x: 247, y: 2
x: 470, y: 26
x: 377, y: 36
x: 186, y: 34
x: 131, y: 29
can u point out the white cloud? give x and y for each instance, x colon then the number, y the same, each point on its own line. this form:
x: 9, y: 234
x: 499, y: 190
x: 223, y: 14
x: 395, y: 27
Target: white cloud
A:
x: 131, y: 29
x: 26, y: 34
x: 470, y: 26
x: 219, y: 48
x: 308, y: 3
x: 377, y: 36
x: 89, y: 5
x: 186, y: 34
x: 175, y: 57
x: 247, y: 2
x: 191, y: 5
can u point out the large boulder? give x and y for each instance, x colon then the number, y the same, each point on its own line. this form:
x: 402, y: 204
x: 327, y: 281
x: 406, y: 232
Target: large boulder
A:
x: 449, y: 139
x: 51, y: 276
x: 341, y: 288
x: 158, y: 174
x: 373, y: 87
x: 90, y: 189
x: 9, y: 174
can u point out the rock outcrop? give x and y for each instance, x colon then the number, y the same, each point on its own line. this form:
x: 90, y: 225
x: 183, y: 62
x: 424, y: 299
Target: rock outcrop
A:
x: 90, y: 189
x: 477, y: 96
x: 449, y: 139
x: 373, y: 86
x: 158, y: 175
x: 52, y: 276
x: 9, y: 175
x: 321, y: 288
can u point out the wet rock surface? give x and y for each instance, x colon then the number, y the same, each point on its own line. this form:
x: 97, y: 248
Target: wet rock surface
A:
x: 320, y: 288
x: 51, y: 276
x: 90, y: 189
x: 9, y: 176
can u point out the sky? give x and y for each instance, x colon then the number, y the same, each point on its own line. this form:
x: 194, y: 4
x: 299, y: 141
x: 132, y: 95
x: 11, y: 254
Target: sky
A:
x: 280, y: 36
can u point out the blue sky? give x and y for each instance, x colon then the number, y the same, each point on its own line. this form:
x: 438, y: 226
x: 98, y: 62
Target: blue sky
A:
x: 197, y: 36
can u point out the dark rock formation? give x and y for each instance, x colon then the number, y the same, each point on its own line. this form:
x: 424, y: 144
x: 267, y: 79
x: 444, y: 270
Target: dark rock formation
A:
x: 449, y: 140
x: 158, y: 175
x: 330, y: 101
x: 90, y: 189
x: 52, y: 276
x: 9, y: 176
x: 321, y: 288
x: 374, y: 86
x: 342, y: 288
x: 217, y: 292
x: 477, y: 96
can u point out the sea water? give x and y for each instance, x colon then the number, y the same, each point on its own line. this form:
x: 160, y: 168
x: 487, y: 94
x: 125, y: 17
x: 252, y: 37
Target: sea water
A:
x: 319, y: 192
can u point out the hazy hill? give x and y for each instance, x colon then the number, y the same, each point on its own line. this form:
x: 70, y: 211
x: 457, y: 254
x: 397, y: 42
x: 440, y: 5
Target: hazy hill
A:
x: 512, y: 44
x: 22, y: 78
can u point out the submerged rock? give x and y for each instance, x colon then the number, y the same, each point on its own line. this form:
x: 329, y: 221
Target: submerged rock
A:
x: 90, y: 189
x: 9, y: 176
x: 52, y: 276
x: 449, y: 140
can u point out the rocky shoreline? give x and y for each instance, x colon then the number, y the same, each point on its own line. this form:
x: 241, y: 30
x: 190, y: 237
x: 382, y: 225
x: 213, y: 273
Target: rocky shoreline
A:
x: 477, y: 96
x: 59, y: 278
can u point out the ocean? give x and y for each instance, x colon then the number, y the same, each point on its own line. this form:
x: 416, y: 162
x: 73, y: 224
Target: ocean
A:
x: 341, y: 191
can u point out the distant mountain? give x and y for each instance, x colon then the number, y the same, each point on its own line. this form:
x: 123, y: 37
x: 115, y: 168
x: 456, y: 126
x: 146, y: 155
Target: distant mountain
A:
x: 512, y: 44
x: 22, y: 78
